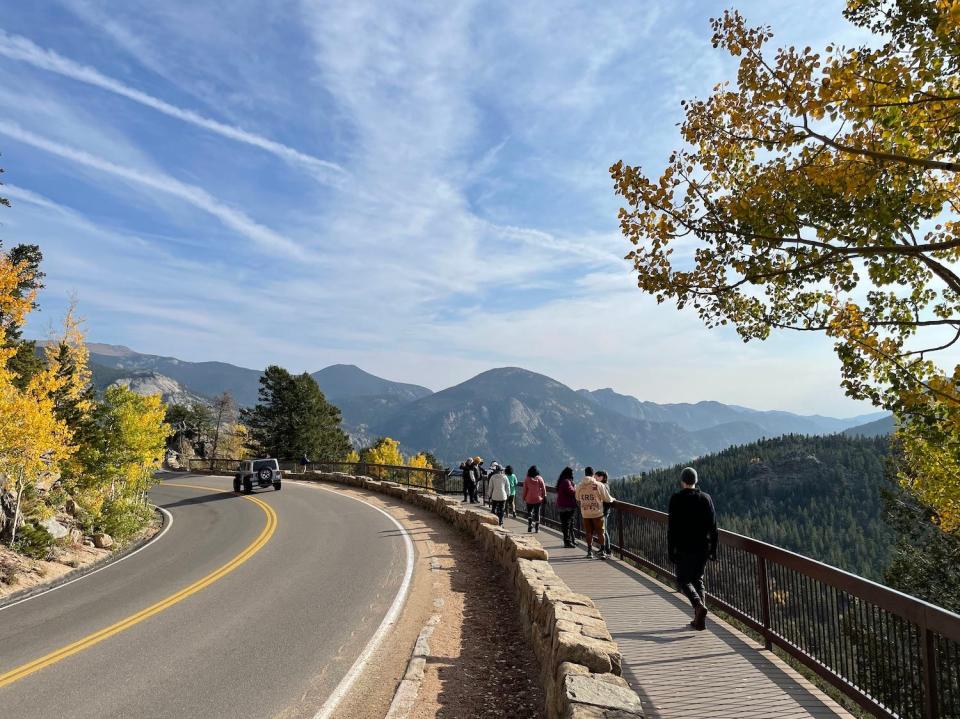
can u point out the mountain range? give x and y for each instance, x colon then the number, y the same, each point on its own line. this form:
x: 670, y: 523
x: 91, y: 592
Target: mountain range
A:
x: 510, y: 414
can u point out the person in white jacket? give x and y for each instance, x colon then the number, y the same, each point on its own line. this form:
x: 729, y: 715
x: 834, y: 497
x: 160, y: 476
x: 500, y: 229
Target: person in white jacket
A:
x: 499, y: 490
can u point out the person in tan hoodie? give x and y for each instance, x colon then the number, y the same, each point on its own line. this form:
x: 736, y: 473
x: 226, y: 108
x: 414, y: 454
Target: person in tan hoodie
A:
x: 591, y: 495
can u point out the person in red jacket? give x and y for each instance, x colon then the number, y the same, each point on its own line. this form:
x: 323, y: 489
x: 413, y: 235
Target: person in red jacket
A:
x: 566, y: 505
x: 534, y: 495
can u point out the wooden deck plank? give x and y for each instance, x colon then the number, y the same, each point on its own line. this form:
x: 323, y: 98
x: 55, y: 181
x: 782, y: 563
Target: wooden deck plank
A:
x: 679, y: 672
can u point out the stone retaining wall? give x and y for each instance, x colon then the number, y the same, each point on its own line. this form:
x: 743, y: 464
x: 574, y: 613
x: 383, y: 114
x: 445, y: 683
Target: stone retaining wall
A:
x: 580, y: 661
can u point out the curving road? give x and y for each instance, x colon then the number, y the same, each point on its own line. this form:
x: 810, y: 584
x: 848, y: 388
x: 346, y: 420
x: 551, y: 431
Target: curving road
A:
x: 241, y: 609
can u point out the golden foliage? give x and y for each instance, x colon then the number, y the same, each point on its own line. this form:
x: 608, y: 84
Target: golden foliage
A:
x: 819, y: 191
x: 33, y: 441
x: 384, y: 451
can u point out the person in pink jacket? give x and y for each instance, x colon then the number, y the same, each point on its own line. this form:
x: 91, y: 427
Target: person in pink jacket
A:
x: 534, y: 495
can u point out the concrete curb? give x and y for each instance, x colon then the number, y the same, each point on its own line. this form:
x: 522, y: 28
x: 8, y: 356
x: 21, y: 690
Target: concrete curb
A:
x: 83, y: 571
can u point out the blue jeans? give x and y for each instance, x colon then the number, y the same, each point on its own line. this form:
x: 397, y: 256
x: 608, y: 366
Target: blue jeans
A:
x: 606, y: 530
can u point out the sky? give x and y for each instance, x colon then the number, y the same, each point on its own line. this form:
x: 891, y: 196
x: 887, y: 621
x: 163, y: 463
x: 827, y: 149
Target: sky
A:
x: 419, y: 188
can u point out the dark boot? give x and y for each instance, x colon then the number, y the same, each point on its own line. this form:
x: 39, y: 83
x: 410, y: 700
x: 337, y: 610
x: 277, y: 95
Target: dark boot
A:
x: 699, y: 608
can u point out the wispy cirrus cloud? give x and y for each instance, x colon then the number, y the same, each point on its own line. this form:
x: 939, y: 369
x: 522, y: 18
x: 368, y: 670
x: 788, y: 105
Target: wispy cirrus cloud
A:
x: 22, y: 49
x: 196, y: 196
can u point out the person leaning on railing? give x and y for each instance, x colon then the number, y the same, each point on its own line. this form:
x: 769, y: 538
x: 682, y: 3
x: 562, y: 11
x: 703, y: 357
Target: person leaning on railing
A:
x: 691, y: 540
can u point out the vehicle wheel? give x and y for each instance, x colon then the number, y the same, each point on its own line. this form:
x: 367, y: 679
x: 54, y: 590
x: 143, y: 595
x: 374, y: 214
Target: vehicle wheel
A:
x: 265, y: 474
x: 236, y: 484
x: 247, y: 486
x: 276, y: 486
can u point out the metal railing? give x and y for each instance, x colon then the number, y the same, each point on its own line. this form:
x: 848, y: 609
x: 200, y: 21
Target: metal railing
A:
x: 435, y: 480
x: 895, y: 655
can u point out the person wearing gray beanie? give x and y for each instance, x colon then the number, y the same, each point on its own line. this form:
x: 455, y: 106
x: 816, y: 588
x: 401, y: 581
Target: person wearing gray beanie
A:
x: 692, y: 540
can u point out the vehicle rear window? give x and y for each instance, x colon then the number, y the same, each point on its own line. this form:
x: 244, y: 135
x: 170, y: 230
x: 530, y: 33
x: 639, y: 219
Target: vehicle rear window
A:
x: 261, y: 463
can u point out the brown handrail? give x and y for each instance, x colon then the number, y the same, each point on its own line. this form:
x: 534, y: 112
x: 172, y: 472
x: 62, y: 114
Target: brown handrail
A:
x: 856, y: 634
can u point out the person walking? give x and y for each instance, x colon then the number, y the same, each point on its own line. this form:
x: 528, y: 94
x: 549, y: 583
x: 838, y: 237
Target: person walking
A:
x: 499, y: 490
x: 566, y: 505
x: 511, y: 505
x: 602, y: 477
x: 691, y: 541
x: 304, y: 462
x: 534, y: 495
x: 591, y: 495
x: 469, y: 482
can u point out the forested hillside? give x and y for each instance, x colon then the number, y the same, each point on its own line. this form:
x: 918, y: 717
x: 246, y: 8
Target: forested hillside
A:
x: 820, y: 496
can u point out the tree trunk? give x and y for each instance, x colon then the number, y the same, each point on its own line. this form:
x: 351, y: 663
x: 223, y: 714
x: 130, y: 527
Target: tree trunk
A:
x: 16, y: 512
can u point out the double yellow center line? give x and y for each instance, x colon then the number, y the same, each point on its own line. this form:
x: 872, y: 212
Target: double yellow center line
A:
x: 88, y: 641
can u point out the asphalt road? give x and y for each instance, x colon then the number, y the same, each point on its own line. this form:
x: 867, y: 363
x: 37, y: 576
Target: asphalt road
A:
x: 273, y: 636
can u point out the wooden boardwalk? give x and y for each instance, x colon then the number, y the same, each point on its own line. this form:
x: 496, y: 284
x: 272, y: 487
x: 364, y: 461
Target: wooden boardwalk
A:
x: 678, y: 672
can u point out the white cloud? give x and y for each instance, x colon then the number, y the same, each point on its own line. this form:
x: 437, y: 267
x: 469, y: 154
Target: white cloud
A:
x: 24, y: 50
x: 196, y: 196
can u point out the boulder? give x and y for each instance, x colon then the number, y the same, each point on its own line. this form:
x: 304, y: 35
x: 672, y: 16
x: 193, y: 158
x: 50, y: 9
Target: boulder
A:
x: 55, y: 529
x: 102, y: 540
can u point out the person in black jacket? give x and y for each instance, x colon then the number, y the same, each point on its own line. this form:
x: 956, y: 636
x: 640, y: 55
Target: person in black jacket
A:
x: 691, y: 540
x: 470, y: 476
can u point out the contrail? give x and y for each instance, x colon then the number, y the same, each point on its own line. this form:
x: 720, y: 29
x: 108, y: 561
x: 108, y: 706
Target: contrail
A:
x: 196, y: 196
x: 20, y: 48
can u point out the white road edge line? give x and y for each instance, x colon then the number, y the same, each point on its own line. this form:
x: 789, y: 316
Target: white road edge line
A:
x: 166, y: 527
x: 330, y: 705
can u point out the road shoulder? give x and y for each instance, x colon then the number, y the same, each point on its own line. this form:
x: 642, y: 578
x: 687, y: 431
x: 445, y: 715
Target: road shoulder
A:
x: 477, y: 662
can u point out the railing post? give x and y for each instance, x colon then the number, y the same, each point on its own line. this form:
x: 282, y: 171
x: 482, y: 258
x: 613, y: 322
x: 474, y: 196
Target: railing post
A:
x: 928, y: 659
x: 764, y: 600
x: 620, y: 530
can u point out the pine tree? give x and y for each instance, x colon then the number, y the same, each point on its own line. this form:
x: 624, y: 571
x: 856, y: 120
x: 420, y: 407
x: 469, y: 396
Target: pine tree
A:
x: 293, y: 418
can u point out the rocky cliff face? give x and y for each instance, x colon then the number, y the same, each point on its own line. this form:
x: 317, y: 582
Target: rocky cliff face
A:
x: 148, y: 383
x: 523, y: 418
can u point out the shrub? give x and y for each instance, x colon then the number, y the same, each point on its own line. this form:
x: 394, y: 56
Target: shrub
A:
x: 121, y: 518
x: 34, y: 541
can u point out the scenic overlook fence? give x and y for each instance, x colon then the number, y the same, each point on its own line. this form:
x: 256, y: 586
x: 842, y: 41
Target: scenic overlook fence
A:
x: 895, y: 655
x: 436, y: 480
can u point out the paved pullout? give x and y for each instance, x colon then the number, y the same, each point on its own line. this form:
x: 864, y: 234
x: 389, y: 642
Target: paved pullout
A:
x: 281, y: 629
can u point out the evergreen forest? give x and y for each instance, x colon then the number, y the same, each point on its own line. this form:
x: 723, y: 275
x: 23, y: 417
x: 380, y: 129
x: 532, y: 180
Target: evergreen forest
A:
x: 821, y: 496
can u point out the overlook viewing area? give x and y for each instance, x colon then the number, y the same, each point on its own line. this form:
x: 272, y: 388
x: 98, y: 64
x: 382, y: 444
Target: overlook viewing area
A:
x: 889, y: 653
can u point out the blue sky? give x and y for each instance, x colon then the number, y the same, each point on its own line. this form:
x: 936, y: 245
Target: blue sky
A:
x: 419, y: 188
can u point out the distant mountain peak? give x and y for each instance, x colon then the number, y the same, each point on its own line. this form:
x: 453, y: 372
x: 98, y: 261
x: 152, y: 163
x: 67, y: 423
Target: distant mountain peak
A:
x: 110, y: 350
x: 347, y: 381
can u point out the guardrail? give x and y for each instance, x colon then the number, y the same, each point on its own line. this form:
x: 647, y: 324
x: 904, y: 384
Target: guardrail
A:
x: 436, y: 480
x: 895, y: 655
